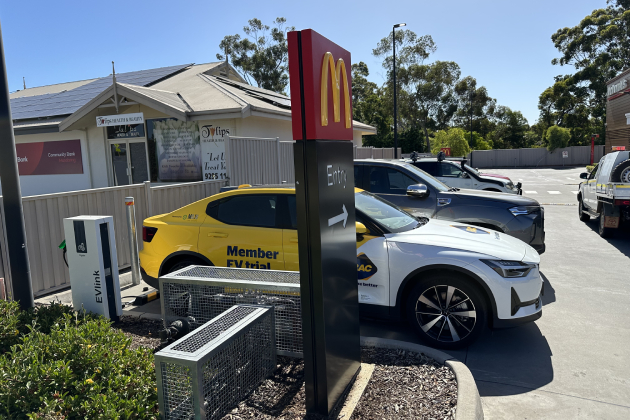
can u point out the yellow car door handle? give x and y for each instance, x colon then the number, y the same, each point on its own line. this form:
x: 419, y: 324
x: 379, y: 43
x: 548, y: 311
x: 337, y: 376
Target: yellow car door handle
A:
x: 218, y: 235
x: 293, y: 240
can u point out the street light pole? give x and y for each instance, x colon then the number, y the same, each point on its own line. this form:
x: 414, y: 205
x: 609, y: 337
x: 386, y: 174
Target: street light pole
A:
x: 12, y: 198
x: 395, y: 91
x: 471, y: 117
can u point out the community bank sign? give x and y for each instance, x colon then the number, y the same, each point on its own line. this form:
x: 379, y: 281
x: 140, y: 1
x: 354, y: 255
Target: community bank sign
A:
x: 123, y: 119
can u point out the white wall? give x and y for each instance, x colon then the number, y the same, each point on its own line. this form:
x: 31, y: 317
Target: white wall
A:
x: 47, y: 184
x: 264, y: 127
x: 357, y: 138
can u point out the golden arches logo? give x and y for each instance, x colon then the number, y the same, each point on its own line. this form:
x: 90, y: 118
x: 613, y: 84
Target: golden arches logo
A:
x: 338, y: 72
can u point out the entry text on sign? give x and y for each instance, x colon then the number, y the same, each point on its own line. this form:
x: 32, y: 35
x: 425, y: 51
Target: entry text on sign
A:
x: 336, y: 176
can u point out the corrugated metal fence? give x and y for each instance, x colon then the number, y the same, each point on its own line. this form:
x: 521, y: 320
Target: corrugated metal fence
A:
x: 527, y: 158
x: 44, y: 214
x: 253, y: 160
x: 375, y: 153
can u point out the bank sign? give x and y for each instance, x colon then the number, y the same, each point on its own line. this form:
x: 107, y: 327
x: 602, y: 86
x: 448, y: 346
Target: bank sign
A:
x: 50, y: 158
x: 122, y: 119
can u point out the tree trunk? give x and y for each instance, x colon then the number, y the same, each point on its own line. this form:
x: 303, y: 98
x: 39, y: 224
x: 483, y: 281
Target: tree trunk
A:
x: 426, y: 134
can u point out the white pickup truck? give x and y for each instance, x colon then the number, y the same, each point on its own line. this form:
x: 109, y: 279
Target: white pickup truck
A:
x: 606, y: 193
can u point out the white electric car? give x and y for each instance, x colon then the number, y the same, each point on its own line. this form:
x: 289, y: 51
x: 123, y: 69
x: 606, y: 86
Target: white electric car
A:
x: 448, y: 279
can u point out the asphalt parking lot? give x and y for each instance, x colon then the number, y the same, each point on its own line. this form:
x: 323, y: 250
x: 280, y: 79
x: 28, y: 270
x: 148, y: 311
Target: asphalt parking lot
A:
x: 573, y: 362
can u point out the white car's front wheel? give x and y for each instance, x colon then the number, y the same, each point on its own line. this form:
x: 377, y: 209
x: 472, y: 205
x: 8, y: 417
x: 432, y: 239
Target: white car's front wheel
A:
x: 446, y: 311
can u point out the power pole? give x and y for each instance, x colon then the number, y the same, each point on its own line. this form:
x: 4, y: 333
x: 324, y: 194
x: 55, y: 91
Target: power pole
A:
x: 12, y: 198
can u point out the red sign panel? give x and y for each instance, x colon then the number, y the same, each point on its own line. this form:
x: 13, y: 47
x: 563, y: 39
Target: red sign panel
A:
x: 50, y: 158
x: 618, y: 148
x: 446, y: 150
x: 321, y: 81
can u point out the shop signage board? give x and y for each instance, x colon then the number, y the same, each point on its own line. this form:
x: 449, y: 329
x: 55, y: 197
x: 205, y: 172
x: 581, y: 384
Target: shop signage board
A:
x: 213, y: 138
x: 127, y: 131
x: 321, y: 106
x: 446, y: 150
x: 122, y: 119
x: 50, y: 158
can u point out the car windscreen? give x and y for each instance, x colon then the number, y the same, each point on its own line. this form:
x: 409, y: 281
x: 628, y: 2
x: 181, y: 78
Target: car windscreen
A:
x: 473, y: 170
x: 384, y: 214
x: 438, y: 185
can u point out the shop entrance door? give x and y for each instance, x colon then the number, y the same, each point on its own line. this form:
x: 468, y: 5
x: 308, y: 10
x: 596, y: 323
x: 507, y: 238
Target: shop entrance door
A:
x: 130, y: 162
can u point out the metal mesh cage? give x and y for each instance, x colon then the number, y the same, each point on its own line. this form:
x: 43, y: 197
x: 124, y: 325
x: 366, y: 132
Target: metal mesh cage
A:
x: 205, y: 373
x: 199, y: 294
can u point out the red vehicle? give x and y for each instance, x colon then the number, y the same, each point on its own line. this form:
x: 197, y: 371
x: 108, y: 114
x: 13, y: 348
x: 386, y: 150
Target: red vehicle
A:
x: 495, y: 175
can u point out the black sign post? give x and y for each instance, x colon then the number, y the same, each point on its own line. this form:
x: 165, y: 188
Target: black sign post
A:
x: 324, y: 188
x: 12, y: 198
x: 324, y: 185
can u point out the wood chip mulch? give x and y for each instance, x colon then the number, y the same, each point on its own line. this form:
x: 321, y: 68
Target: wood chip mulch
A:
x: 143, y: 332
x: 404, y: 385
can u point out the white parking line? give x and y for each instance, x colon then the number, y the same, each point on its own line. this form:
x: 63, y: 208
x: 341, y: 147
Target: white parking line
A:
x: 554, y: 192
x: 575, y: 192
x: 531, y: 192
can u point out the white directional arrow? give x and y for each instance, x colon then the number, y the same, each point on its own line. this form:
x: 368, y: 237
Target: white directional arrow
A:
x: 343, y: 217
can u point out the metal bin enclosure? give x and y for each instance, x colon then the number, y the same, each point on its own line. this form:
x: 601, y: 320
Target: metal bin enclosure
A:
x: 199, y: 293
x: 207, y: 372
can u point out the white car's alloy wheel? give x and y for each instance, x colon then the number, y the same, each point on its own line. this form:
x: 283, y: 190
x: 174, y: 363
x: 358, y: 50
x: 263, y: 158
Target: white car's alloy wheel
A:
x: 445, y: 313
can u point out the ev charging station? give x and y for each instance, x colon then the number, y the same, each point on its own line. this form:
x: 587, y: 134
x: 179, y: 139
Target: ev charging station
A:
x: 93, y: 265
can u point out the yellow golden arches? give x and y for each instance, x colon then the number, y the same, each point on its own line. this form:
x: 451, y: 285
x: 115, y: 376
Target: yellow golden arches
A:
x: 338, y: 72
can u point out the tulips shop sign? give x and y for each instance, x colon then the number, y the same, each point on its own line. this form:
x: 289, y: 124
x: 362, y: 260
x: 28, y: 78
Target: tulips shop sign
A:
x: 213, y: 136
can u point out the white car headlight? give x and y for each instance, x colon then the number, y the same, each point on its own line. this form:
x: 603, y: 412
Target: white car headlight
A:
x: 510, y: 269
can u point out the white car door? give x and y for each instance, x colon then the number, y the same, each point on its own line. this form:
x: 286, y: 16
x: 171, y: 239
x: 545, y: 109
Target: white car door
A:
x: 452, y: 175
x: 373, y: 270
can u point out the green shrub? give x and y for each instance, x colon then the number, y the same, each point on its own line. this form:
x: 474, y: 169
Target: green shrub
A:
x: 14, y: 323
x: 82, y: 369
x: 9, y: 324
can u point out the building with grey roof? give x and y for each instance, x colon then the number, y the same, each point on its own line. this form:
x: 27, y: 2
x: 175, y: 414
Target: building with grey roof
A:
x: 163, y: 125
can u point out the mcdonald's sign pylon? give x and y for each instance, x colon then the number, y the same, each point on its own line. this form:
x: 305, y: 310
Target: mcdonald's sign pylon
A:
x: 321, y: 112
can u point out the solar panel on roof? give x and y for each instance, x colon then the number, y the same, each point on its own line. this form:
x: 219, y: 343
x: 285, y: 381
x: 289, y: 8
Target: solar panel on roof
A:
x: 68, y: 102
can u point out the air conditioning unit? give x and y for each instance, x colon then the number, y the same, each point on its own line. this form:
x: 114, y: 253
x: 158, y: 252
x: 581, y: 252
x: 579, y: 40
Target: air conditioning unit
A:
x: 198, y: 294
x: 93, y: 265
x: 207, y: 372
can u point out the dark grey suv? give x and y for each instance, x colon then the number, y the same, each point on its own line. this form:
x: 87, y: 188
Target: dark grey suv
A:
x: 422, y: 195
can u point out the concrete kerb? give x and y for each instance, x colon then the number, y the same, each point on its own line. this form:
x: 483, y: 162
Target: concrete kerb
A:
x: 468, y: 399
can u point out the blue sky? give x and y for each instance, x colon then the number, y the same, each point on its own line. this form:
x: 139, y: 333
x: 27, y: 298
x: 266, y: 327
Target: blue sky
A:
x: 505, y: 44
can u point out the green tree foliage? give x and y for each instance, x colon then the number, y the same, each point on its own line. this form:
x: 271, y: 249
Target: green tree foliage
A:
x: 262, y: 56
x: 510, y: 129
x: 454, y: 138
x: 557, y: 137
x: 474, y: 106
x: 431, y: 99
x: 598, y: 48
